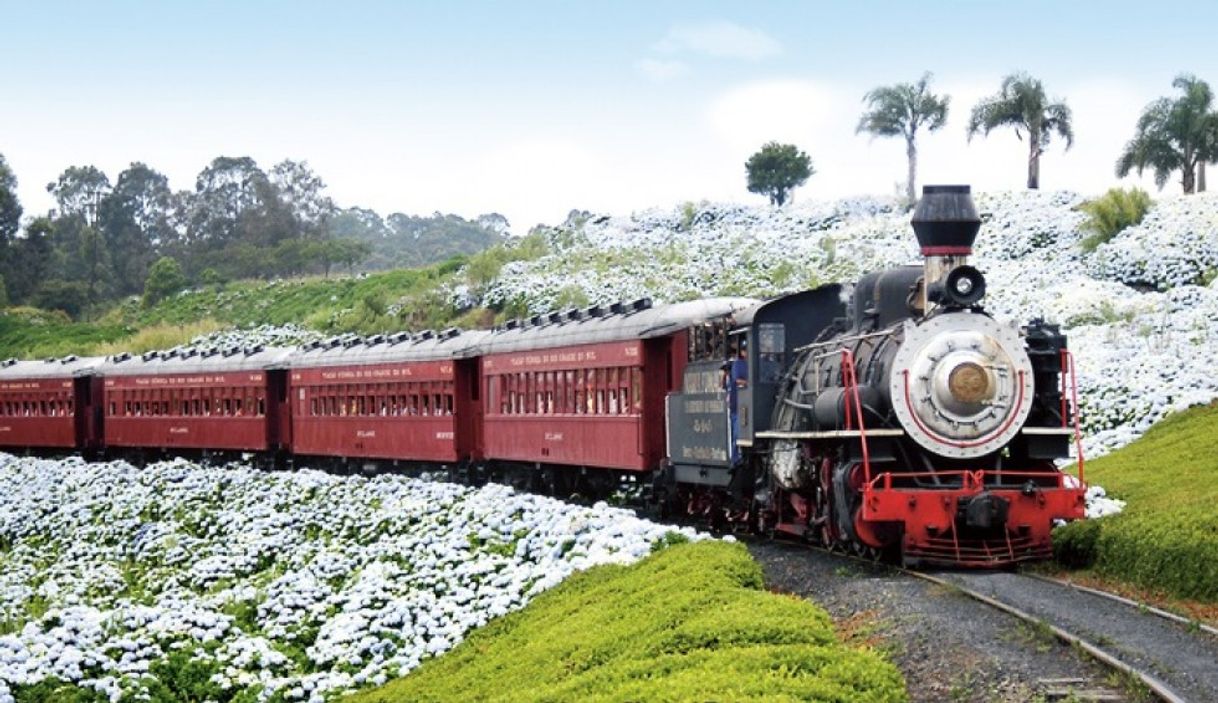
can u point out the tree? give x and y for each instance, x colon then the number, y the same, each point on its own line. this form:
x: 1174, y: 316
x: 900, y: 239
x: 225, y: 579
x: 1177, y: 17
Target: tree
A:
x: 164, y: 279
x: 95, y: 263
x: 1175, y: 135
x: 776, y: 170
x: 79, y: 192
x: 300, y: 189
x: 10, y: 206
x: 1021, y: 103
x: 70, y: 296
x: 135, y: 218
x: 35, y: 252
x: 899, y: 111
x: 228, y: 194
x: 352, y: 252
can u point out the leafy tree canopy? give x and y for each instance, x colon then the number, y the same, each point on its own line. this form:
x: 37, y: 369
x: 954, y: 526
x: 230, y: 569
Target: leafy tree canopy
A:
x: 900, y: 111
x: 776, y: 170
x: 1022, y: 104
x: 164, y: 279
x: 10, y: 206
x: 1178, y: 134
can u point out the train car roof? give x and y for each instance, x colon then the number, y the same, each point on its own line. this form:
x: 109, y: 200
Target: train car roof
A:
x: 387, y: 349
x: 194, y: 361
x: 745, y: 318
x: 66, y: 367
x: 634, y: 321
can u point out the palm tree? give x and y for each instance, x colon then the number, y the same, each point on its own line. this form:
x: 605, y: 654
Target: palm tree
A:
x: 1022, y: 104
x: 1175, y: 135
x: 899, y: 110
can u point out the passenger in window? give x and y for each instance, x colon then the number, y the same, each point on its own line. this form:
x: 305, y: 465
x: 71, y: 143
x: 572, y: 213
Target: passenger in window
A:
x: 736, y: 377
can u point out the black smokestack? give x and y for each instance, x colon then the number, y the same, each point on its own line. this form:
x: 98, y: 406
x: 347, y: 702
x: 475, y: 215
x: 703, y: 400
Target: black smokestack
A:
x: 946, y: 221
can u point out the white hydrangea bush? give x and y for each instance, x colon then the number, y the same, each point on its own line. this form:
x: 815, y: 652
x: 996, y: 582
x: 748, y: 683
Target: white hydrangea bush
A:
x: 296, y: 584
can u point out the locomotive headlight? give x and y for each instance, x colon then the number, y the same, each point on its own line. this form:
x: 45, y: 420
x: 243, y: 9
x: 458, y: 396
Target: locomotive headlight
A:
x: 961, y: 383
x: 963, y: 286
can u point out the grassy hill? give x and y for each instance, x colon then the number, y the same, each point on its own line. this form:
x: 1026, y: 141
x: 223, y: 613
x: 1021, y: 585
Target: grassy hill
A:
x: 417, y: 298
x: 690, y: 623
x: 1167, y: 537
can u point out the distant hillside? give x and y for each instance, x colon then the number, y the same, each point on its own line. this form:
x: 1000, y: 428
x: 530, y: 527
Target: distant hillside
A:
x: 434, y: 296
x: 407, y: 241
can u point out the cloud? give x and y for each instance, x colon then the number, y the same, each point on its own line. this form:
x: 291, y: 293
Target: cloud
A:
x: 660, y: 70
x: 721, y: 39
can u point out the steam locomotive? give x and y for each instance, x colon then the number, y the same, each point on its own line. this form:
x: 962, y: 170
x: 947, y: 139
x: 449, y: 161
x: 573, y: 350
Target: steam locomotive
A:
x: 893, y: 416
x: 897, y: 416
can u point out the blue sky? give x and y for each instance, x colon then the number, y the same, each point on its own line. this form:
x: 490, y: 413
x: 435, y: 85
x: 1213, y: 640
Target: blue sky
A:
x: 532, y: 109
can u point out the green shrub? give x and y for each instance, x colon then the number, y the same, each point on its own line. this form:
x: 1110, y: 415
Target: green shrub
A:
x: 1112, y: 212
x: 1167, y: 537
x: 689, y: 623
x: 1074, y: 544
x: 56, y: 691
x: 165, y: 278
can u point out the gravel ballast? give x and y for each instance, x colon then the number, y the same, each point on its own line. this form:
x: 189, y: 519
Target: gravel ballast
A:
x: 1184, y: 658
x: 948, y: 646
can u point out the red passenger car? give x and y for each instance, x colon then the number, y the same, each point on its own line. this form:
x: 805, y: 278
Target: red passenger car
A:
x: 228, y: 400
x: 404, y: 397
x: 49, y: 404
x: 587, y: 388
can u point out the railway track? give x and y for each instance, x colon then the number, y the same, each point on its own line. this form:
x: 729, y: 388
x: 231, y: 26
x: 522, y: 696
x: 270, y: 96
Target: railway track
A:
x: 1173, y: 658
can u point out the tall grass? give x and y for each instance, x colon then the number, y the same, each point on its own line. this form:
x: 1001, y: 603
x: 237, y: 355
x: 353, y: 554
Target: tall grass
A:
x: 1167, y: 537
x: 160, y: 336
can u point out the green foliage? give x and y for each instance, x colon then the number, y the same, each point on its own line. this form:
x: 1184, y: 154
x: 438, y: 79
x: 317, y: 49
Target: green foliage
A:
x: 776, y: 170
x: 1112, y: 212
x: 1167, y: 536
x: 400, y: 240
x: 164, y: 279
x: 32, y: 333
x: 71, y: 297
x: 1022, y: 104
x: 10, y: 206
x: 899, y: 111
x: 158, y: 336
x: 689, y: 623
x: 57, y: 691
x: 482, y: 268
x: 1174, y: 135
x: 186, y: 676
x: 211, y: 277
x: 238, y: 222
x: 1074, y: 544
x: 689, y: 210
